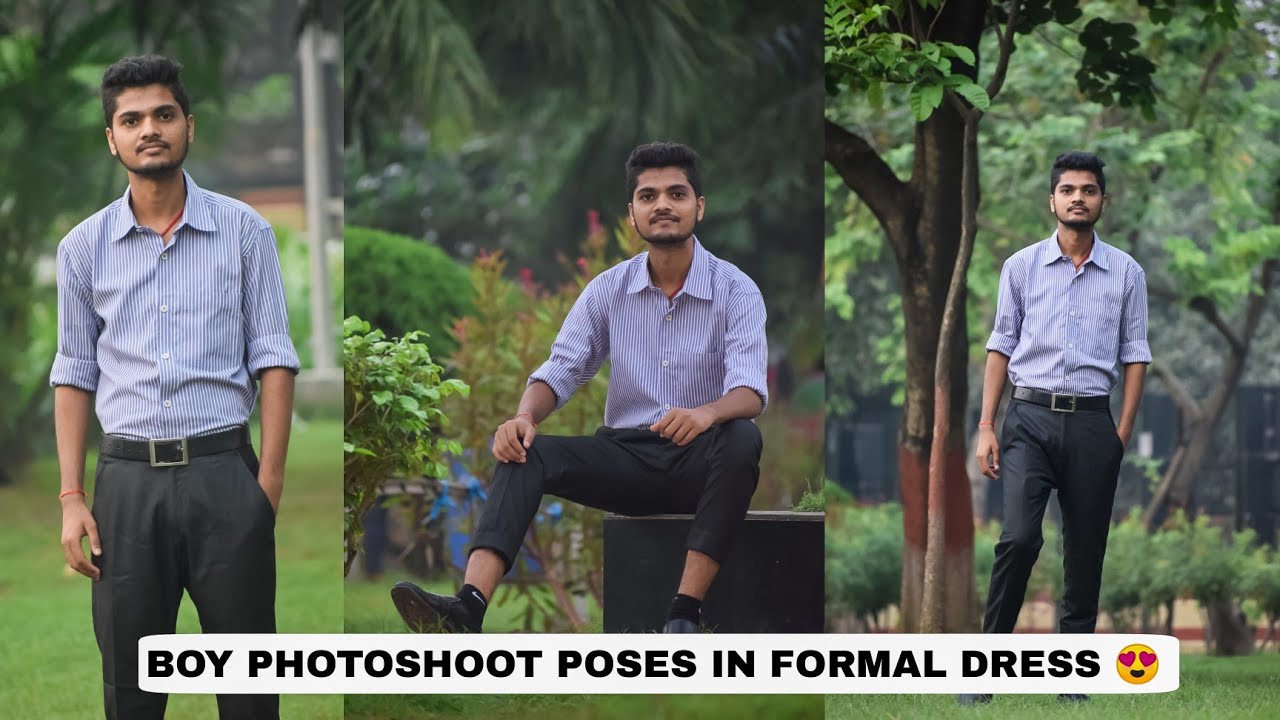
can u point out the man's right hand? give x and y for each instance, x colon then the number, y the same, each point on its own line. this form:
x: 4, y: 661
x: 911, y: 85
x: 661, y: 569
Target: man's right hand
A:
x: 77, y: 522
x: 513, y: 438
x: 988, y: 453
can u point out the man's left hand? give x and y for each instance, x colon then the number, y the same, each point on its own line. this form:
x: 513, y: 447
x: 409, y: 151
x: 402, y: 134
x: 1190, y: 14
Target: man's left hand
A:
x: 1125, y: 434
x: 272, y: 487
x: 681, y: 425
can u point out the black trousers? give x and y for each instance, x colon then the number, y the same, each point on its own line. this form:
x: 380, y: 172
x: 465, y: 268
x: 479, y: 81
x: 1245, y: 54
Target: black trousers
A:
x: 629, y: 472
x: 205, y: 527
x: 1079, y: 455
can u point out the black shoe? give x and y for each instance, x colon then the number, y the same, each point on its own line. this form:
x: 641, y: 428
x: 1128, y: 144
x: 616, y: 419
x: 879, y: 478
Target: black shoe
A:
x: 426, y: 612
x: 1073, y: 698
x: 680, y: 625
x: 974, y: 699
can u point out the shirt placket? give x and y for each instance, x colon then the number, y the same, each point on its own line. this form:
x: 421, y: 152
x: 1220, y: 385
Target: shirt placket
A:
x: 667, y: 366
x: 1070, y: 353
x: 166, y: 333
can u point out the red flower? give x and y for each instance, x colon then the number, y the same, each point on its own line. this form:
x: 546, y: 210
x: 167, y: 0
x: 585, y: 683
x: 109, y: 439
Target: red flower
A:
x: 593, y: 222
x: 526, y: 281
x: 582, y: 265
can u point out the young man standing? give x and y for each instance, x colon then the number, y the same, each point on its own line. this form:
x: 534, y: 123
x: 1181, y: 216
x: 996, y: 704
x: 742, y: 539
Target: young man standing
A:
x: 1070, y: 310
x: 171, y: 312
x: 685, y: 334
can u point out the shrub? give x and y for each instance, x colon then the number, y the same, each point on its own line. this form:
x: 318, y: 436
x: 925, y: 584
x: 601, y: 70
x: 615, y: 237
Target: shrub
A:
x: 391, y: 400
x: 863, y: 561
x: 400, y: 284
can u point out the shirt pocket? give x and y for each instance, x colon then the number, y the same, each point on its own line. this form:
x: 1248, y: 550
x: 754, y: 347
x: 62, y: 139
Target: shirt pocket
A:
x: 702, y: 367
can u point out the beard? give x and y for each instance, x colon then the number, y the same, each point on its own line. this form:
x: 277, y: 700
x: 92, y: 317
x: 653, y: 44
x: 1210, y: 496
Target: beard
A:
x: 162, y: 171
x: 1084, y: 222
x: 668, y: 238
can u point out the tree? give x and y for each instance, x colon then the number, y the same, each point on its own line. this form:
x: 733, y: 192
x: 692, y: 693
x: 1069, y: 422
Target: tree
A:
x: 918, y: 44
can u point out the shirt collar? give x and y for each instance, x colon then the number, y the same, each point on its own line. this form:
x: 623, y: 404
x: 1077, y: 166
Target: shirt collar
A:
x: 697, y: 284
x: 195, y: 212
x: 1050, y: 252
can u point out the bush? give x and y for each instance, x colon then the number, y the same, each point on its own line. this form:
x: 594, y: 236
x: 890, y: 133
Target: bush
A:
x: 863, y: 561
x: 505, y: 337
x: 400, y: 285
x: 391, y: 401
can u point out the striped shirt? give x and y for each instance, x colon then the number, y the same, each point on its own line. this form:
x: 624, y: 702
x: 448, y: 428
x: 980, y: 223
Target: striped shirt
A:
x: 171, y: 338
x: 665, y: 353
x: 1064, y: 330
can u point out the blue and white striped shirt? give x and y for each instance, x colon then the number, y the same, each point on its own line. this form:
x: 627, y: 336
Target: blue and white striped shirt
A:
x: 1063, y: 329
x: 678, y: 353
x: 171, y: 338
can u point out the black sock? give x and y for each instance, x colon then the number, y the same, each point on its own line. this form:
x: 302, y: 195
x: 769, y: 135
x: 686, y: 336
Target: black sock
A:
x: 685, y: 607
x: 474, y: 601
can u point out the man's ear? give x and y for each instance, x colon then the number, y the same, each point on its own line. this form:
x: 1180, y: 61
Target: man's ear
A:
x: 702, y: 207
x: 111, y: 143
x: 631, y: 215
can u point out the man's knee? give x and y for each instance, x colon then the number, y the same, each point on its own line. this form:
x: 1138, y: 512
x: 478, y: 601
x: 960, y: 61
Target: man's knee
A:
x: 1022, y: 543
x: 740, y: 439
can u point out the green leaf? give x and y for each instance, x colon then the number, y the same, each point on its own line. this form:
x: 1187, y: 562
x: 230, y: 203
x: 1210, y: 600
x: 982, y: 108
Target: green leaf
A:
x: 924, y: 100
x: 382, y: 397
x: 975, y: 94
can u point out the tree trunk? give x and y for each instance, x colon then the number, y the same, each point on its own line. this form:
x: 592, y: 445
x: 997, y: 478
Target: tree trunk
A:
x: 1226, y: 632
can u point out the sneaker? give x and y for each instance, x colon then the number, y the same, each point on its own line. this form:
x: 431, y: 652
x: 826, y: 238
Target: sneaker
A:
x: 426, y: 612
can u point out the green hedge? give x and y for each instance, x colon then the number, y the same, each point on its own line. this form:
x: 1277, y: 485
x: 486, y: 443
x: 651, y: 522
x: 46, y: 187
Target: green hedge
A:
x: 399, y: 285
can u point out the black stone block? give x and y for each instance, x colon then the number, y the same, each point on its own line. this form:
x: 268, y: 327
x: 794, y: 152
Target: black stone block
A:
x: 772, y: 581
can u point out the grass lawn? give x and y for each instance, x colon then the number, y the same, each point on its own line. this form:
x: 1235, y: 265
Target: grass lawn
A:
x: 1213, y: 688
x: 49, y: 662
x: 369, y: 610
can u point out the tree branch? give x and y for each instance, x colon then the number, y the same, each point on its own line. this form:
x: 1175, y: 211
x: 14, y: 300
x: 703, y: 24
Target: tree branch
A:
x: 1187, y: 405
x: 1006, y: 49
x: 866, y: 173
x: 1205, y: 307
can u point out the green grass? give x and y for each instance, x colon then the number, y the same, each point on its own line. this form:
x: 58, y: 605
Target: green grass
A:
x: 369, y: 610
x: 1216, y: 688
x: 49, y: 662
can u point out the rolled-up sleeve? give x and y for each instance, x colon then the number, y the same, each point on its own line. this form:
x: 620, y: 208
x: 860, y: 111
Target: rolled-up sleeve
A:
x: 266, y: 317
x: 746, y: 350
x: 581, y: 346
x: 76, y: 361
x: 1133, y: 322
x: 1009, y: 311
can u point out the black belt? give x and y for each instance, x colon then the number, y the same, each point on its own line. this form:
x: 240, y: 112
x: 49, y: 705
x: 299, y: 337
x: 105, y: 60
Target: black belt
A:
x: 1061, y: 402
x: 175, y: 451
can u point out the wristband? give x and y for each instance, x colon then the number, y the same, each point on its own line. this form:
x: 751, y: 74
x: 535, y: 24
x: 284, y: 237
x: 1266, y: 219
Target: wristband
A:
x: 531, y: 420
x: 71, y: 492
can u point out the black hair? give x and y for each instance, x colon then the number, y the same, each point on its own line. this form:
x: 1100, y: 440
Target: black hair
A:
x: 140, y: 71
x: 661, y: 155
x: 1076, y: 160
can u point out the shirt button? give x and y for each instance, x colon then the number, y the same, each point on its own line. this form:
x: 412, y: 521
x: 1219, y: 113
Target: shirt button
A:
x: 666, y: 407
x: 166, y: 403
x: 164, y: 356
x: 164, y: 256
x: 164, y: 308
x: 1073, y: 313
x: 665, y: 363
x: 1071, y: 345
x: 667, y: 318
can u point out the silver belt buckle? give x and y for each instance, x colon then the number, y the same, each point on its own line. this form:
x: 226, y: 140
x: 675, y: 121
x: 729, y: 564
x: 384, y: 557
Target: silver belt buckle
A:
x: 182, y: 443
x: 1053, y: 403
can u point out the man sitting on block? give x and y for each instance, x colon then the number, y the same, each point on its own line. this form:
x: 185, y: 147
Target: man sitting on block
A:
x: 685, y: 333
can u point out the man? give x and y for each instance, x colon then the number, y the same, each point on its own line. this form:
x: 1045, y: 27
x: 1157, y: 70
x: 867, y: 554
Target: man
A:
x: 1070, y: 309
x: 684, y: 331
x: 171, y: 310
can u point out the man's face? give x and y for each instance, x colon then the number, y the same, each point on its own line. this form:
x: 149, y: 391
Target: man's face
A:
x: 148, y: 133
x: 663, y: 208
x: 1077, y: 200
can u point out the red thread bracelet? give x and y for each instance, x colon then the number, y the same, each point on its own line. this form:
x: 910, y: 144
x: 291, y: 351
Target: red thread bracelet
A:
x: 531, y: 420
x: 72, y: 492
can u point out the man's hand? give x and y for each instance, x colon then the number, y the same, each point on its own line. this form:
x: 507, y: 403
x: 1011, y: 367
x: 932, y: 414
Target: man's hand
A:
x: 512, y: 438
x: 77, y: 522
x: 988, y: 452
x: 1125, y: 433
x: 681, y: 426
x: 272, y: 487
